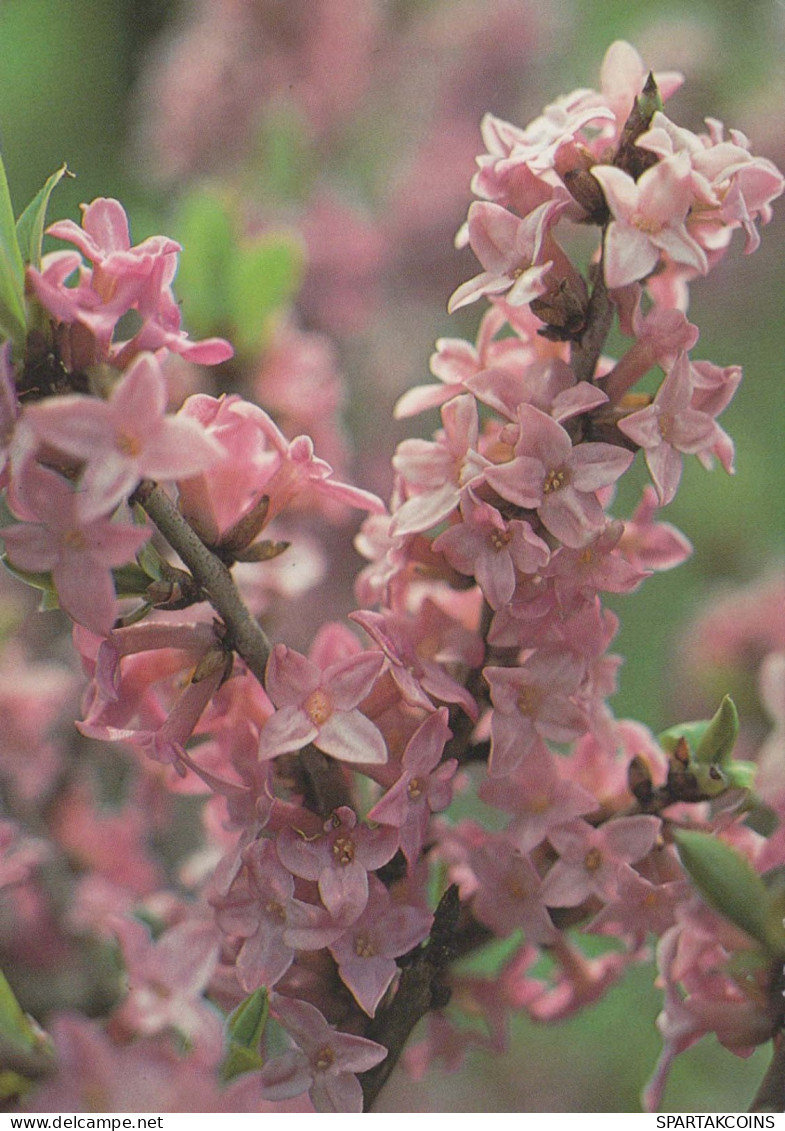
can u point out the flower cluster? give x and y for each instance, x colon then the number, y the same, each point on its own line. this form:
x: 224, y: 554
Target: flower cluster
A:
x: 477, y: 667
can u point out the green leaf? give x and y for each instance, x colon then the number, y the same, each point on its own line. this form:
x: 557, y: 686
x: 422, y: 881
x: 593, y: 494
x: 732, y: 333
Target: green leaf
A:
x: 719, y: 738
x: 230, y: 285
x: 206, y: 233
x: 265, y: 276
x: 130, y: 581
x: 42, y: 581
x: 728, y: 883
x: 13, y: 322
x: 14, y: 1022
x: 245, y: 1027
x: 30, y: 225
x: 692, y: 732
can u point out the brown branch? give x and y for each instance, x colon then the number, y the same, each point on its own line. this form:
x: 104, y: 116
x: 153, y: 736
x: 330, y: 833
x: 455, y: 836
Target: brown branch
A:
x: 419, y: 991
x: 246, y: 635
x: 770, y: 1096
x: 599, y: 317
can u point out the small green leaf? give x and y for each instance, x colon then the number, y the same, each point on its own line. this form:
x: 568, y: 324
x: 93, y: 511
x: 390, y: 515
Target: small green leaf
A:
x: 150, y: 560
x: 130, y: 581
x: 719, y: 738
x: 265, y: 276
x: 14, y: 1022
x: 42, y: 581
x: 245, y: 1026
x: 206, y: 233
x: 692, y: 732
x: 30, y: 225
x: 740, y: 775
x: 13, y: 322
x: 728, y: 883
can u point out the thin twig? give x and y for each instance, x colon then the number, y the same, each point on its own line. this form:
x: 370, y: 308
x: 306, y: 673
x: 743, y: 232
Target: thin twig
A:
x: 246, y: 635
x: 599, y: 317
x: 770, y: 1096
x: 419, y: 991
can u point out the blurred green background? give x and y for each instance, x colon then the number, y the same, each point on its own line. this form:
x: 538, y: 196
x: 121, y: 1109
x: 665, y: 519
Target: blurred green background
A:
x: 69, y: 79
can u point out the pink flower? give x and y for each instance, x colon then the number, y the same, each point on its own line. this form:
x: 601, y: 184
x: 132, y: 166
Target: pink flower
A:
x: 165, y: 988
x: 592, y: 860
x: 436, y: 473
x: 423, y: 787
x: 143, y: 691
x: 123, y: 439
x: 123, y: 278
x: 648, y: 219
x: 509, y: 894
x: 418, y: 648
x: 321, y: 707
x: 539, y: 796
x: 490, y: 549
x: 668, y: 427
x: 80, y: 555
x: 339, y: 860
x: 367, y: 950
x: 648, y: 544
x: 531, y: 702
x: 560, y: 480
x: 260, y: 909
x: 324, y: 1062
x: 511, y: 250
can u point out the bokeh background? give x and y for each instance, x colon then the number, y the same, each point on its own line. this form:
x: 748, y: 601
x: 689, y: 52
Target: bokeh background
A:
x: 352, y: 125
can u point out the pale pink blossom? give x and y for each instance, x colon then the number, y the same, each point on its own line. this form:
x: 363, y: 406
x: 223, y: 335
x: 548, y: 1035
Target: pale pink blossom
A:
x: 323, y: 1063
x: 423, y: 787
x: 670, y: 426
x: 339, y: 860
x: 123, y: 439
x: 513, y: 253
x: 533, y: 701
x: 486, y: 547
x: 559, y: 480
x: 164, y: 990
x: 592, y: 860
x: 321, y: 707
x: 366, y: 951
x: 80, y: 555
x: 648, y: 219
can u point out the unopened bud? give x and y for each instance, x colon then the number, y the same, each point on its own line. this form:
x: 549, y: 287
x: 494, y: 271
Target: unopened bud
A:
x: 639, y: 779
x: 214, y: 660
x: 240, y: 535
x: 263, y: 551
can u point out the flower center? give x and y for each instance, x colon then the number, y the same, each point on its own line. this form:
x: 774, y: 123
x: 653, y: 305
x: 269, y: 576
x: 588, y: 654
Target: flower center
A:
x: 528, y: 700
x: 318, y: 707
x: 554, y: 480
x: 500, y: 539
x: 343, y: 850
x: 75, y: 540
x: 325, y: 1058
x: 664, y: 424
x: 646, y: 224
x: 127, y: 443
x: 363, y: 947
x: 592, y: 860
x: 275, y: 911
x: 414, y: 789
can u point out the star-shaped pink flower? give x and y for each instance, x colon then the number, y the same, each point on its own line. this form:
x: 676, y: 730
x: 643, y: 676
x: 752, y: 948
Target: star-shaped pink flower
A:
x: 320, y: 706
x: 80, y: 555
x: 125, y: 438
x: 591, y: 860
x: 670, y: 426
x: 560, y: 480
